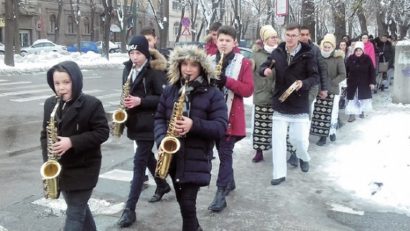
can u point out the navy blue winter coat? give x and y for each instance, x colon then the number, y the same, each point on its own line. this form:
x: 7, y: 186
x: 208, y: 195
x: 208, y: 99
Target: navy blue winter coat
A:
x: 208, y: 111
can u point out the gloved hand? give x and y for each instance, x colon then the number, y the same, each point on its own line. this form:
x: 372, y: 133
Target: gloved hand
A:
x: 222, y: 80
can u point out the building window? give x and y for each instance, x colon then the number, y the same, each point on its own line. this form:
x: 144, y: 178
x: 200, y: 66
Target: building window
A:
x: 70, y: 24
x: 176, y: 28
x: 86, y: 25
x: 53, y: 25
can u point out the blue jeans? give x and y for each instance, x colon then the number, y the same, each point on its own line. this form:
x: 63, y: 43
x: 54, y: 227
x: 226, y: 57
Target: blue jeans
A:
x: 78, y: 212
x: 225, y: 150
x: 143, y: 158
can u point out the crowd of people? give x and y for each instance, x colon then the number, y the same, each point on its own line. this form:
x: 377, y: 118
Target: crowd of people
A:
x: 296, y: 88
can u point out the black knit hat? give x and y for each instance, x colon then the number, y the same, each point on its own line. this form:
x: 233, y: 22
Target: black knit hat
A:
x: 139, y: 43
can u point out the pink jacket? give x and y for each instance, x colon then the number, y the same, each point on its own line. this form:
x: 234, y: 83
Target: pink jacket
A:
x: 369, y: 50
x: 242, y: 87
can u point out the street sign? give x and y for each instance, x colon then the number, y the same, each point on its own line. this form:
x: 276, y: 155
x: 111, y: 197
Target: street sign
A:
x: 282, y: 7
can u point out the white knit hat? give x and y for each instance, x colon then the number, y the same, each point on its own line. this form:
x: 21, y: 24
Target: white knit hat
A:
x: 358, y: 45
x: 328, y: 38
x: 266, y: 32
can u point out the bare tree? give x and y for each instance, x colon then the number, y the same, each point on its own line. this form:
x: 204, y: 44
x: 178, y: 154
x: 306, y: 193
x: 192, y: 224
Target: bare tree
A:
x: 10, y: 31
x: 75, y: 9
x: 123, y: 17
x: 339, y: 17
x: 308, y: 16
x: 93, y: 9
x: 180, y: 20
x: 107, y: 15
x: 58, y: 21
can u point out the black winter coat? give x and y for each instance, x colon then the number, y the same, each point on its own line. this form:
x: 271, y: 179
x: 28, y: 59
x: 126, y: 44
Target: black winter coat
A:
x: 84, y: 122
x: 360, y: 74
x: 302, y: 67
x: 148, y: 85
x: 207, y: 109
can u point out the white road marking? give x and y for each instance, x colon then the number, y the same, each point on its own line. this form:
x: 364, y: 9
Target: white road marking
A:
x: 25, y: 87
x: 344, y: 209
x: 97, y: 206
x: 2, y: 228
x: 24, y: 92
x: 19, y: 100
x: 14, y: 83
x: 122, y: 175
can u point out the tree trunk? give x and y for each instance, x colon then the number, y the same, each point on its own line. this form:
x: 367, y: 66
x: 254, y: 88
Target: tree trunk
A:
x: 17, y: 44
x: 308, y: 16
x: 58, y: 22
x: 106, y: 23
x: 362, y: 19
x: 92, y: 22
x: 339, y: 16
x: 10, y: 28
x: 381, y: 15
x: 180, y: 24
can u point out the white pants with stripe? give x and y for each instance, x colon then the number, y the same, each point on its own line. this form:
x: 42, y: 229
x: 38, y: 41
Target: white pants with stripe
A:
x: 299, y: 126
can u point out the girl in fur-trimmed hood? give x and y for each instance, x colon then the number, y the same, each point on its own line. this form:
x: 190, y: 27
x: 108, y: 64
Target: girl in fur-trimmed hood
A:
x: 193, y: 53
x: 203, y: 122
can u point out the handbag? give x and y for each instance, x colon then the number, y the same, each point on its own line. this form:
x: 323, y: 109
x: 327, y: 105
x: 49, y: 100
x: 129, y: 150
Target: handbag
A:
x: 383, y: 66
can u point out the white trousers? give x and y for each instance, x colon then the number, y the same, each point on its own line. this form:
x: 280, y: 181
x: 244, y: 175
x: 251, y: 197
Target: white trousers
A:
x: 298, y: 137
x: 335, y: 115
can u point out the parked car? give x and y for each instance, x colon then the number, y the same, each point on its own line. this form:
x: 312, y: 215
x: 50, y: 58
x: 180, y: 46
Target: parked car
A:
x: 85, y: 46
x: 1, y: 49
x: 112, y: 47
x: 246, y: 52
x: 43, y: 45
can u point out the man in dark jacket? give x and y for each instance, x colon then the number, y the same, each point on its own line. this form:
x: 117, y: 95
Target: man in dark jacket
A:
x: 81, y: 127
x: 294, y: 65
x: 145, y: 89
x: 320, y: 90
x: 386, y: 54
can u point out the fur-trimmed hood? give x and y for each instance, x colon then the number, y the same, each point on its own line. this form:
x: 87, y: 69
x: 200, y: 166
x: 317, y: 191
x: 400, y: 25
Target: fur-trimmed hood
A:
x: 158, y: 61
x: 338, y: 53
x: 193, y: 53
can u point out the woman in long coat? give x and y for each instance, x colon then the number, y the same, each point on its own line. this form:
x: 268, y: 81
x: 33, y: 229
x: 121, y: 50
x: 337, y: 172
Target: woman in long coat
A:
x: 325, y: 114
x: 361, y: 80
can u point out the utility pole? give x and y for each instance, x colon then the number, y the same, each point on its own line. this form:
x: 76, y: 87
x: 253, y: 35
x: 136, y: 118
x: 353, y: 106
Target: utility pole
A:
x: 164, y: 21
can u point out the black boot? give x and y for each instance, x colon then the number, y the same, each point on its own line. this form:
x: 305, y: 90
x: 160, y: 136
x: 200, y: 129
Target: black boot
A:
x: 293, y: 160
x: 127, y: 218
x: 159, y: 192
x: 231, y: 186
x: 258, y: 156
x: 219, y: 202
x: 322, y: 141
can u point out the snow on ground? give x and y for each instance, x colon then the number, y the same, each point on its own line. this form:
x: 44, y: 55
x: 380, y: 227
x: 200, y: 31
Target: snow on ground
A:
x: 42, y: 62
x: 371, y: 157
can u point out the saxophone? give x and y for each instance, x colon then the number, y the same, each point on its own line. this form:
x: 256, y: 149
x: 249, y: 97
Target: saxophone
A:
x: 218, y: 67
x: 170, y: 144
x: 51, y: 169
x: 119, y: 116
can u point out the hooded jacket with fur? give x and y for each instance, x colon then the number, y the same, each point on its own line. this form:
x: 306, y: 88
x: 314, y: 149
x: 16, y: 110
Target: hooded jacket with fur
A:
x: 206, y: 107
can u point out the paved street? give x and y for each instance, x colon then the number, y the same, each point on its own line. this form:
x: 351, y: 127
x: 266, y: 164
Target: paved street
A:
x: 311, y: 201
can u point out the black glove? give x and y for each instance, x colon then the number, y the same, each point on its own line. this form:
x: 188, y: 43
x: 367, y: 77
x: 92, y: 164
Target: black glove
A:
x: 222, y: 80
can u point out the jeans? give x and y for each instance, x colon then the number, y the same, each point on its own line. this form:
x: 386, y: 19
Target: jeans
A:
x: 143, y: 158
x: 78, y: 214
x: 225, y: 147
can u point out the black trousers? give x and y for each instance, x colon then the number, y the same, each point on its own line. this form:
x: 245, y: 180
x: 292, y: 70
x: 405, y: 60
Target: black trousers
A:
x: 78, y: 214
x: 186, y: 195
x: 143, y: 158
